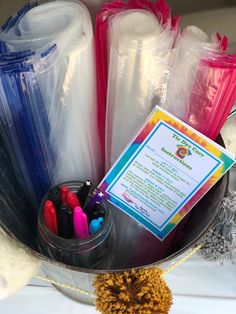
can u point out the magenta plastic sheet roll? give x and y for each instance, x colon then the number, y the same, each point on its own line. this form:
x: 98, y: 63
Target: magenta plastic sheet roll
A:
x: 192, y: 46
x: 213, y: 94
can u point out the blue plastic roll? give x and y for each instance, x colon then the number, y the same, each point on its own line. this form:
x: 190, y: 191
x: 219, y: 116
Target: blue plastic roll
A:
x: 48, y: 95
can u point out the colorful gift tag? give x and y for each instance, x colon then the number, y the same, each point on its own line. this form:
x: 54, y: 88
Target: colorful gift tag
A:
x: 164, y: 172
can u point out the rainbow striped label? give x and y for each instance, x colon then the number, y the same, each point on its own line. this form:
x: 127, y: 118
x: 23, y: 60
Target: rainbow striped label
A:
x: 164, y: 172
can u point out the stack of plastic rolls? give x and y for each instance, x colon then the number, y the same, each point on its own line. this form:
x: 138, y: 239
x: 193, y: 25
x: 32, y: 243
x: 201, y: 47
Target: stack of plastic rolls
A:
x: 48, y: 95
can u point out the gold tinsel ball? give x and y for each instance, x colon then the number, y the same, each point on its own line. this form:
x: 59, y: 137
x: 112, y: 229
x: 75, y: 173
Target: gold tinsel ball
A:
x: 142, y: 291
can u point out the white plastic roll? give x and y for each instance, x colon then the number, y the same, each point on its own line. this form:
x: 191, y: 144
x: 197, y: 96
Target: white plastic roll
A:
x: 140, y: 52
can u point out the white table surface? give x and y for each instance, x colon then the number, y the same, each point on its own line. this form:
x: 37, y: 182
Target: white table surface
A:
x: 199, y: 287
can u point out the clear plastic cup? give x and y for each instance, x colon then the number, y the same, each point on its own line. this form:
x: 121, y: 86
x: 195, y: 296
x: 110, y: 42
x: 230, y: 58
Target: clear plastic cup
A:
x: 94, y: 252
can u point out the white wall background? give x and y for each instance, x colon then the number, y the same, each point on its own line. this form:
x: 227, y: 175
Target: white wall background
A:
x: 211, y: 15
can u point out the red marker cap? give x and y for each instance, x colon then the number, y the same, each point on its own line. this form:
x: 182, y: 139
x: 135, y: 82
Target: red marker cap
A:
x: 50, y: 217
x: 64, y: 190
x: 72, y: 200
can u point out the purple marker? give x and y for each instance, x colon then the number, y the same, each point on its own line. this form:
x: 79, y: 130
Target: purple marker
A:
x: 98, y: 198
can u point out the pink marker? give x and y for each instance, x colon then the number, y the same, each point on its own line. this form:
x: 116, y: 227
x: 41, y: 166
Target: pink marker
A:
x: 80, y: 223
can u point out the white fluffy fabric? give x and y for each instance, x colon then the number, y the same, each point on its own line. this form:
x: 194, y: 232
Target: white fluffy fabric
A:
x: 17, y: 266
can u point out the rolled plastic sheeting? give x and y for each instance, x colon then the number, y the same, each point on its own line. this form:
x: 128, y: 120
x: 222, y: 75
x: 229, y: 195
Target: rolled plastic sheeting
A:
x: 213, y: 94
x: 202, y: 89
x: 140, y: 52
x: 48, y: 95
x: 161, y: 11
x: 191, y: 47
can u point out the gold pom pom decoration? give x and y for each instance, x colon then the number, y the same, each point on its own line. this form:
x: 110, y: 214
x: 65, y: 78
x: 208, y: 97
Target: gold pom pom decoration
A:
x: 141, y: 291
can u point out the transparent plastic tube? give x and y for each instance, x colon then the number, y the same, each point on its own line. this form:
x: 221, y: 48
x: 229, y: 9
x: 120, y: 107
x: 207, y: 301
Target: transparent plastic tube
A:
x: 48, y: 95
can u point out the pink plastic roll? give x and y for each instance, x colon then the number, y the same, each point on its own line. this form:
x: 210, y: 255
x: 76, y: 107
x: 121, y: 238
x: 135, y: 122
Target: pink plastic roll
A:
x: 108, y: 10
x: 162, y: 12
x: 192, y: 46
x: 213, y: 94
x: 229, y: 98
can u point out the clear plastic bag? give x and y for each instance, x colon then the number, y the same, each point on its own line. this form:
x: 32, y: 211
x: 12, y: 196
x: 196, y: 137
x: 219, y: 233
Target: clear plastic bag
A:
x: 48, y: 95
